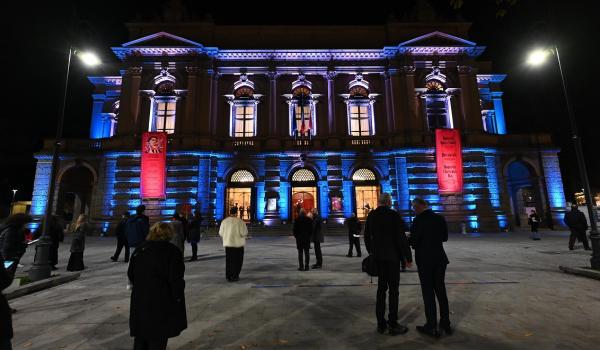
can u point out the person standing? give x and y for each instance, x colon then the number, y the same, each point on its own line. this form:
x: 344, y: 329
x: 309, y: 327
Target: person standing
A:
x: 534, y: 221
x: 386, y: 242
x: 250, y: 211
x: 354, y: 227
x: 578, y: 225
x: 302, y: 232
x: 317, y: 238
x: 178, y: 238
x: 56, y: 233
x: 6, y: 330
x: 78, y: 244
x: 137, y: 227
x: 428, y: 232
x: 157, y: 307
x: 195, y: 233
x: 241, y: 209
x: 233, y: 230
x: 121, y: 238
x: 13, y: 243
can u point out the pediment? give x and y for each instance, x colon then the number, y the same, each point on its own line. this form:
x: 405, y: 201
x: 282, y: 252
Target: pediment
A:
x: 437, y: 39
x: 162, y: 39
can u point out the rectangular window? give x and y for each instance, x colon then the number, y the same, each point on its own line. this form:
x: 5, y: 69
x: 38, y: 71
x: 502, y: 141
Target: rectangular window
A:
x: 164, y: 117
x: 360, y: 120
x: 244, y: 121
x: 436, y: 109
x: 303, y: 113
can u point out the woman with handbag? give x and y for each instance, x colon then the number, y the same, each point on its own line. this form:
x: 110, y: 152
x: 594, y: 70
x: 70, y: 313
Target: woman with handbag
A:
x: 78, y: 244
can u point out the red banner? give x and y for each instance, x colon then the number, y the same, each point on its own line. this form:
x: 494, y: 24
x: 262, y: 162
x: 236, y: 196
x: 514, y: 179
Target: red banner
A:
x: 448, y: 154
x: 154, y: 165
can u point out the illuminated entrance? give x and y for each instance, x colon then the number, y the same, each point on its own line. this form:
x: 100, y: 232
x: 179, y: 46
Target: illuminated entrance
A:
x: 366, y: 192
x: 239, y: 194
x: 304, y: 191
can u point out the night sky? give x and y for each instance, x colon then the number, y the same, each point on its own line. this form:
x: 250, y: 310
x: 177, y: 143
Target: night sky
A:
x: 35, y: 53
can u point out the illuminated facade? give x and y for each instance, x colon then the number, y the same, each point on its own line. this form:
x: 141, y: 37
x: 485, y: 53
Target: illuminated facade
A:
x: 274, y: 130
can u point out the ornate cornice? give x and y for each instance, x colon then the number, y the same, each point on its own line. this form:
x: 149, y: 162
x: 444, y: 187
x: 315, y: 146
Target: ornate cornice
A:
x: 490, y: 78
x: 106, y: 81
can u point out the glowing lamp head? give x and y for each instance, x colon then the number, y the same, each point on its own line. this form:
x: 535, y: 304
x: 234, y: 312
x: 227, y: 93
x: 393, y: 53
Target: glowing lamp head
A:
x: 88, y: 58
x: 537, y: 57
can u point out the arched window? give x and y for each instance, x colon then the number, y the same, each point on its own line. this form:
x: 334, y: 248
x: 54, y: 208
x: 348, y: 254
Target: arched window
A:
x: 437, y: 101
x: 302, y: 108
x: 360, y: 108
x: 164, y: 103
x: 303, y: 175
x: 363, y: 175
x: 243, y: 104
x: 241, y: 176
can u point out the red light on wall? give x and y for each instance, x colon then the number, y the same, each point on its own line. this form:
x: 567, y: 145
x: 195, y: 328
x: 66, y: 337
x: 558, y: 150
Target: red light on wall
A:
x: 448, y: 154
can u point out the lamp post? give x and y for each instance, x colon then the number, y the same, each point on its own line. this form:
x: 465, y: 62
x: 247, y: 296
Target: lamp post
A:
x: 41, y: 265
x: 537, y: 58
x: 12, y: 203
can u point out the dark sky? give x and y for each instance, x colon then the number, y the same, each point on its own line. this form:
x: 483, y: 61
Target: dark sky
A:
x: 36, y: 51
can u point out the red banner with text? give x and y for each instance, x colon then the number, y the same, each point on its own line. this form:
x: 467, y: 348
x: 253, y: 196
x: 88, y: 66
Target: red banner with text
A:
x: 448, y: 154
x: 153, y: 172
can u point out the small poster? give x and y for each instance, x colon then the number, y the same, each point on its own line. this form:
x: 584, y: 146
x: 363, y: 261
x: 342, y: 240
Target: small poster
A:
x: 271, y: 204
x: 336, y: 204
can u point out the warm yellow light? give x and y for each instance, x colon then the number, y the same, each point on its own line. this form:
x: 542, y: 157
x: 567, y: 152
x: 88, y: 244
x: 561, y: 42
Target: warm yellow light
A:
x: 537, y: 57
x: 89, y: 58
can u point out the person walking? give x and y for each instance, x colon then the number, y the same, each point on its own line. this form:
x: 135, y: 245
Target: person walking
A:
x: 137, y: 227
x: 302, y: 232
x: 195, y: 233
x: 178, y: 238
x: 13, y: 243
x: 428, y: 232
x: 578, y: 225
x: 233, y: 230
x: 534, y: 222
x: 78, y: 244
x: 157, y: 307
x: 386, y: 242
x: 317, y: 238
x: 354, y: 227
x: 6, y: 330
x: 121, y: 238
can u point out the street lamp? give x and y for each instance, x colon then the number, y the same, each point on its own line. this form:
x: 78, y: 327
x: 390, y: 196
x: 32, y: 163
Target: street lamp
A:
x: 537, y: 58
x: 41, y: 264
x: 12, y: 204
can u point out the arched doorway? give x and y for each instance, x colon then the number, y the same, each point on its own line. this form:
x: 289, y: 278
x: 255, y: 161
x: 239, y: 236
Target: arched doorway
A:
x: 366, y: 192
x: 524, y: 191
x: 304, y: 191
x: 75, y: 193
x: 239, y: 194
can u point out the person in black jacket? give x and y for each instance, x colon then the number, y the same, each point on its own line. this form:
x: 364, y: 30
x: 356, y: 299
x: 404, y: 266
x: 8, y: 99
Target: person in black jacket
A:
x: 428, y: 232
x: 578, y: 225
x: 354, y: 227
x: 195, y: 233
x: 302, y: 233
x: 12, y: 237
x: 137, y: 227
x: 156, y: 272
x: 6, y: 330
x: 121, y: 238
x: 57, y: 235
x: 317, y: 238
x: 386, y: 242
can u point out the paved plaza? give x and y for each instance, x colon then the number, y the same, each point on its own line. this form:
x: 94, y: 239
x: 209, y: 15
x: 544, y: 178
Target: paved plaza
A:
x: 505, y: 292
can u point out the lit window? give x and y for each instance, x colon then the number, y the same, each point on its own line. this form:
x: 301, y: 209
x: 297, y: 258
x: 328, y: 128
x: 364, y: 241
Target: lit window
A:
x: 363, y: 175
x: 242, y: 176
x: 244, y: 120
x: 303, y: 175
x: 360, y: 108
x: 360, y: 119
x: 302, y: 108
x: 164, y: 116
x: 243, y: 108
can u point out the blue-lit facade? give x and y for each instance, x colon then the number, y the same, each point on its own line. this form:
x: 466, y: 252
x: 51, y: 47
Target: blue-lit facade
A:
x: 329, y: 129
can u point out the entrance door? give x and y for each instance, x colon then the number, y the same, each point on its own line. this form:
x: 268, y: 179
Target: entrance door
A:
x: 305, y: 198
x: 240, y: 197
x: 366, y: 200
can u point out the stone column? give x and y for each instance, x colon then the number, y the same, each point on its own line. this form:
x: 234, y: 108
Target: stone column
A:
x: 130, y: 102
x: 272, y: 190
x: 331, y: 101
x: 272, y: 130
x: 187, y: 124
x: 470, y: 99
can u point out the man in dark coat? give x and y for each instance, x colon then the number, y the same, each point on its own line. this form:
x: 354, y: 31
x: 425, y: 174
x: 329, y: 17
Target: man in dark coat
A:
x: 137, y: 227
x: 578, y: 225
x: 386, y: 242
x: 428, y: 232
x: 156, y: 271
x: 354, y: 227
x: 302, y: 233
x: 6, y: 330
x: 317, y: 238
x: 56, y: 233
x: 121, y: 234
x: 195, y: 233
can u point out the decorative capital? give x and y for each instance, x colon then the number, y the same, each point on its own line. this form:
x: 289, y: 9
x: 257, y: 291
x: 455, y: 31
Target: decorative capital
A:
x: 191, y: 70
x: 273, y: 75
x: 464, y: 69
x: 331, y: 74
x: 134, y: 71
x: 408, y: 69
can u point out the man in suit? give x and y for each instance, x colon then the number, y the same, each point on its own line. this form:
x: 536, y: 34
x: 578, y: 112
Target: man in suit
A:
x: 577, y: 223
x: 387, y: 244
x: 428, y: 232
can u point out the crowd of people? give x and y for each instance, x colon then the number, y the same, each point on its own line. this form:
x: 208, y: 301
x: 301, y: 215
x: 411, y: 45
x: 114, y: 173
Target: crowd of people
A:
x: 156, y: 268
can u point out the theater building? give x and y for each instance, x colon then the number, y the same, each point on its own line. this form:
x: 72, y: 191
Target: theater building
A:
x: 274, y: 118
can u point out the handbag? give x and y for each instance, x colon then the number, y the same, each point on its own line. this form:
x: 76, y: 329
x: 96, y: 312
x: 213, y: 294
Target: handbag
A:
x: 369, y: 266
